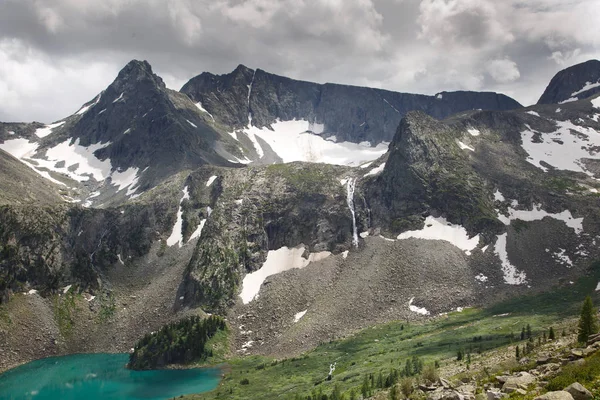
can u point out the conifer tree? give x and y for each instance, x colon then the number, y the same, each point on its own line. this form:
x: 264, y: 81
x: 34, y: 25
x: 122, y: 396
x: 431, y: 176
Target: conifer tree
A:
x: 551, y: 334
x: 517, y: 353
x: 528, y: 331
x: 588, y: 324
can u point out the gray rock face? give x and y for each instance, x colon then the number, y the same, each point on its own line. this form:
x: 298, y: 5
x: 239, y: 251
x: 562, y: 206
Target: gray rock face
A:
x: 579, y: 392
x: 349, y: 113
x: 147, y: 125
x: 558, y: 395
x: 576, y: 82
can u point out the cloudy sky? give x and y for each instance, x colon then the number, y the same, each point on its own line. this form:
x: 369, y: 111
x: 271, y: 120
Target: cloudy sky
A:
x: 57, y: 54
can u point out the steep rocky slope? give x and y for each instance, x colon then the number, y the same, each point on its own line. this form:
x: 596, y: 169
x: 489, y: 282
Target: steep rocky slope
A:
x: 576, y: 82
x: 22, y: 185
x: 348, y: 113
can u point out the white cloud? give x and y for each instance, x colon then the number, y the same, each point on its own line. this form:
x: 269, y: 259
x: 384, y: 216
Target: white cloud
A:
x: 503, y: 70
x: 62, y: 52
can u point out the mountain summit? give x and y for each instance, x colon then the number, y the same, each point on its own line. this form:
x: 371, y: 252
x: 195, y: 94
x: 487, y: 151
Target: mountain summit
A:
x: 576, y: 82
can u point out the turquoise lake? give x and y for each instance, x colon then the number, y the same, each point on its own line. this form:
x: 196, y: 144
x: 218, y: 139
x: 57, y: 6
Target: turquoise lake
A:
x: 100, y: 376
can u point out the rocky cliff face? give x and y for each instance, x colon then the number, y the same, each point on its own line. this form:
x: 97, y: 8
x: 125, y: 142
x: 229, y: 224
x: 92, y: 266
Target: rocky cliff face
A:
x: 573, y: 83
x: 349, y: 113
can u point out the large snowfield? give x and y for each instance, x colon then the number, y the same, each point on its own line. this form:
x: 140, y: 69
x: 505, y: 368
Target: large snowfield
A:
x: 292, y: 141
x: 562, y: 149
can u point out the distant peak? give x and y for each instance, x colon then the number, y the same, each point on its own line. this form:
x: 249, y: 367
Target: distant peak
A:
x: 136, y: 70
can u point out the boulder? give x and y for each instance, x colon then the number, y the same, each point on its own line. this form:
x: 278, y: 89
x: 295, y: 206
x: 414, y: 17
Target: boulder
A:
x: 579, y: 392
x: 522, y: 379
x: 494, y: 395
x: 558, y: 395
x: 593, y: 339
x: 577, y: 353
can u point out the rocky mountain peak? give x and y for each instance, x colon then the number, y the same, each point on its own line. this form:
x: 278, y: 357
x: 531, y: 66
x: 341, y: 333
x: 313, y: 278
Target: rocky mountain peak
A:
x: 136, y: 72
x: 576, y: 82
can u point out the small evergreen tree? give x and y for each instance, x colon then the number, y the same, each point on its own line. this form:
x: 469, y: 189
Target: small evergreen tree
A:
x: 523, y: 333
x: 459, y: 355
x: 588, y: 325
x: 528, y: 331
x: 365, y: 389
x: 394, y: 393
x: 551, y: 334
x: 517, y: 353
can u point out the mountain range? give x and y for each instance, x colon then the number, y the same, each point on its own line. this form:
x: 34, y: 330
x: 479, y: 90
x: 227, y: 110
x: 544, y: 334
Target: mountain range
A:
x: 300, y: 211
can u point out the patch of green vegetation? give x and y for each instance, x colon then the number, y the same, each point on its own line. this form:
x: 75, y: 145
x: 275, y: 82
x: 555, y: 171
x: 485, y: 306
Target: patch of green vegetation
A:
x: 181, y: 342
x: 4, y: 315
x: 562, y: 185
x: 107, y: 307
x: 588, y: 374
x: 305, y: 178
x: 64, y: 308
x: 384, y: 348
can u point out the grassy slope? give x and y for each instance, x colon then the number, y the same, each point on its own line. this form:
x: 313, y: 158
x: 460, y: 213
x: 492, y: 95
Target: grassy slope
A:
x: 388, y: 346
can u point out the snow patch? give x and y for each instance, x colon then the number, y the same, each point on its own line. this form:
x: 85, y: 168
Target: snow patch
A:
x: 511, y: 275
x: 562, y: 257
x: 19, y: 148
x: 439, y: 96
x: 464, y: 146
x: 119, y: 98
x: 32, y: 291
x: 279, y: 260
x: 376, y: 170
x: 473, y: 132
x: 481, y: 278
x: 484, y: 248
x: 299, y: 315
x: 345, y: 254
x: 125, y: 179
x: 570, y: 100
x: 198, y: 230
x: 120, y: 259
x: 316, y: 128
x: 79, y: 162
x: 440, y: 229
x: 211, y: 180
x: 533, y: 113
x: 538, y: 214
x: 419, y: 310
x: 66, y: 289
x: 204, y: 110
x: 83, y: 109
x: 562, y: 149
x: 596, y: 102
x: 177, y: 234
x: 191, y: 123
x: 558, y: 110
x: 598, y: 287
x: 588, y: 86
x: 498, y: 196
x: 46, y: 130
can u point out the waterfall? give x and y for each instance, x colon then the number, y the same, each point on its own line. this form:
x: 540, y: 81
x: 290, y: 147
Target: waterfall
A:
x: 350, y: 185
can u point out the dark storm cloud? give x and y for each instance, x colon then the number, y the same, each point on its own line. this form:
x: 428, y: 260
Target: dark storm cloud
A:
x: 57, y: 54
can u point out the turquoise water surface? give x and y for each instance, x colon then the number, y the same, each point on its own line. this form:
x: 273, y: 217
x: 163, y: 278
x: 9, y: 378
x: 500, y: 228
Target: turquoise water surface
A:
x: 100, y: 376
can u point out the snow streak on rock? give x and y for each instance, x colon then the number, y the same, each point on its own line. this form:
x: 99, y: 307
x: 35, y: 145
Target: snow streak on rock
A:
x: 441, y: 229
x: 512, y: 275
x: 177, y: 234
